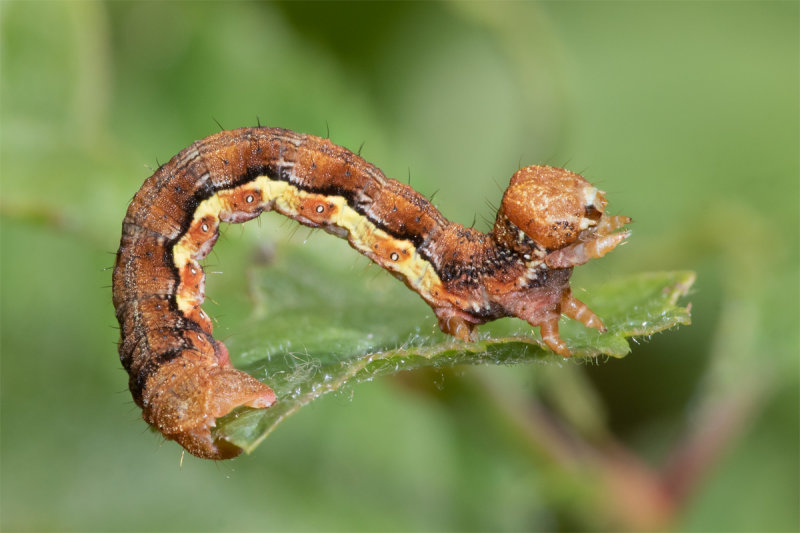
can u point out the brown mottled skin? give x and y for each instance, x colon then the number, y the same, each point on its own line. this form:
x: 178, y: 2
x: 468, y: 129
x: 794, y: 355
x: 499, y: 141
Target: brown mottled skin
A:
x: 182, y: 377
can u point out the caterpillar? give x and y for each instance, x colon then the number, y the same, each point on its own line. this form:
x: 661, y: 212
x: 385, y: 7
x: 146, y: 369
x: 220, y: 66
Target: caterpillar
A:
x: 550, y: 220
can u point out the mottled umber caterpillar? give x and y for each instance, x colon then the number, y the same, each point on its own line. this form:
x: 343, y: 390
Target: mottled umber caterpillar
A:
x: 550, y: 220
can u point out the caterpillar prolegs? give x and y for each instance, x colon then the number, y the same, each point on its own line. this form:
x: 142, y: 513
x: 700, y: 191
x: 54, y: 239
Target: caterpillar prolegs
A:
x: 549, y: 221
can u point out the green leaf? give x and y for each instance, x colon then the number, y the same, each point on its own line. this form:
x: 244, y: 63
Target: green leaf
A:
x: 319, y: 328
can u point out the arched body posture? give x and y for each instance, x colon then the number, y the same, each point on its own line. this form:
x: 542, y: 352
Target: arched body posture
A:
x: 550, y: 220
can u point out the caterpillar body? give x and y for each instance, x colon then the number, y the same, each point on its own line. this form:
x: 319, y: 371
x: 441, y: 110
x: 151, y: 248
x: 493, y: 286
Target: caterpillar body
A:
x: 550, y: 220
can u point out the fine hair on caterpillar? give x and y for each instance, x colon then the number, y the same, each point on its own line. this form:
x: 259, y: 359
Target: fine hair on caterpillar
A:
x: 549, y: 221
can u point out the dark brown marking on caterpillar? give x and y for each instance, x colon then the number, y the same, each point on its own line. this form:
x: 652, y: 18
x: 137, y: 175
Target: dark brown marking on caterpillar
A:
x: 549, y: 221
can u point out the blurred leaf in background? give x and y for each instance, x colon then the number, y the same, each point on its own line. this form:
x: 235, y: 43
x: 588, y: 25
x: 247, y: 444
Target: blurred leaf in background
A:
x: 685, y: 113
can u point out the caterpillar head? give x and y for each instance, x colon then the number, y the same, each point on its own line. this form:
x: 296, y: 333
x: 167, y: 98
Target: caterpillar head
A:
x: 551, y: 205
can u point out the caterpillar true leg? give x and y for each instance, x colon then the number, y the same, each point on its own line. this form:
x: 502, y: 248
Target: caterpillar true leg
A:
x: 577, y: 310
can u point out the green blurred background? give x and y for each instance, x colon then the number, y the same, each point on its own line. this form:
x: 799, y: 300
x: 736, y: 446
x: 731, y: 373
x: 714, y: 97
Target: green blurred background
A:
x: 685, y: 113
